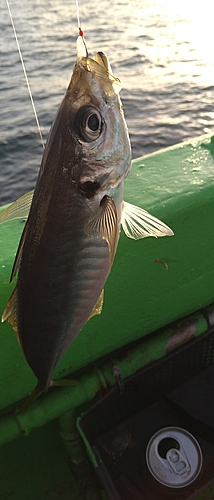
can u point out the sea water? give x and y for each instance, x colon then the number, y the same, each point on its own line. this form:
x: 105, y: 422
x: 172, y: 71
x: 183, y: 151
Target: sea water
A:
x: 162, y: 51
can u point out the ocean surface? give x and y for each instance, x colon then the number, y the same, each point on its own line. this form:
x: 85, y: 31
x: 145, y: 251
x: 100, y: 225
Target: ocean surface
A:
x: 162, y: 51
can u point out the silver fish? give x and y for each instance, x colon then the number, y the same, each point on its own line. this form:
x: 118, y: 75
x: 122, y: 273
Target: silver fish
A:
x: 70, y: 238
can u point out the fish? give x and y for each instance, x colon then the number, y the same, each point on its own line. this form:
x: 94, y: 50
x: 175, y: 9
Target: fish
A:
x: 74, y: 217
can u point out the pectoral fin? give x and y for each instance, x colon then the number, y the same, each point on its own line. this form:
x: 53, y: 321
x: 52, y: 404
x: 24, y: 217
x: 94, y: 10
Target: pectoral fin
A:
x: 137, y: 223
x: 19, y: 209
x: 105, y: 224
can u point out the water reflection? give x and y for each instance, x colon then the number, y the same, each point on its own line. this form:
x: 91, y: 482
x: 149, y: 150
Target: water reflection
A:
x: 162, y: 50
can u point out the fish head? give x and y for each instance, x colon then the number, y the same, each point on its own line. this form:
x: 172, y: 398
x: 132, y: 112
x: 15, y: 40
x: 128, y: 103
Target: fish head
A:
x: 90, y: 135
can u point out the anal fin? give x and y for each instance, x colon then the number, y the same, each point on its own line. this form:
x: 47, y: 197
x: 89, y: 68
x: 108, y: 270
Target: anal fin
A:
x: 10, y: 312
x: 97, y: 309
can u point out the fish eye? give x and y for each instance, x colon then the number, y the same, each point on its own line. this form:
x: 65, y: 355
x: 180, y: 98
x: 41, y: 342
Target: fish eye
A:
x: 88, y: 123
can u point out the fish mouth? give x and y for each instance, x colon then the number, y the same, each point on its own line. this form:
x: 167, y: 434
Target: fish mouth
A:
x: 102, y: 61
x: 98, y: 64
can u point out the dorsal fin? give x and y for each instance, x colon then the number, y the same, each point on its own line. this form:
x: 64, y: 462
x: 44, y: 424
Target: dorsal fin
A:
x: 17, y: 210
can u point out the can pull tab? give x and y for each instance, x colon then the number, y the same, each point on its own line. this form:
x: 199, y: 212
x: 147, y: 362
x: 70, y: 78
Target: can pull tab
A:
x: 178, y: 463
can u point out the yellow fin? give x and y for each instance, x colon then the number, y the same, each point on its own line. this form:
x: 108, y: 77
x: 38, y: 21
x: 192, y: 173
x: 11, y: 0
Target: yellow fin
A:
x: 97, y: 309
x: 105, y: 224
x: 17, y: 210
x: 34, y: 394
x: 10, y: 312
x: 137, y: 223
x: 63, y: 382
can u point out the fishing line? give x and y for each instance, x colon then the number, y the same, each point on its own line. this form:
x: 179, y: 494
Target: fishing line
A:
x: 25, y: 74
x: 79, y: 27
x: 78, y: 15
x: 78, y: 20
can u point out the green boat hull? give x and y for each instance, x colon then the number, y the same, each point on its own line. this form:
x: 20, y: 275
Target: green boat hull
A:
x: 154, y: 284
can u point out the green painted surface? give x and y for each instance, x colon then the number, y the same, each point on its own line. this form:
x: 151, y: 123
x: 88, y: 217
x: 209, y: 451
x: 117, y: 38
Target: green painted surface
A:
x: 140, y: 295
x: 207, y: 495
x: 98, y: 379
x: 36, y: 468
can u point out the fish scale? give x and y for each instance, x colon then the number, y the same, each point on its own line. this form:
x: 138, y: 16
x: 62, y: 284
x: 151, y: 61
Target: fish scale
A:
x: 64, y: 287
